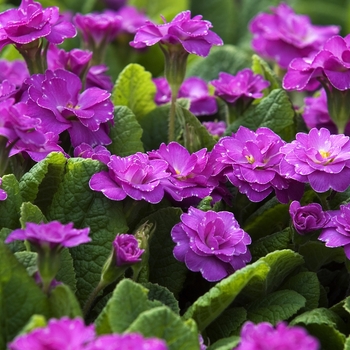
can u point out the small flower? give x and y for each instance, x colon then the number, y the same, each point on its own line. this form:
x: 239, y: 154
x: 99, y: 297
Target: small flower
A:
x: 264, y: 336
x: 307, y: 218
x: 99, y: 152
x: 3, y: 194
x: 337, y: 232
x: 135, y: 176
x: 163, y: 93
x: 127, y: 250
x: 245, y: 85
x: 130, y: 341
x: 62, y: 334
x: 215, y: 128
x: 319, y: 158
x: 211, y: 242
x: 193, y: 34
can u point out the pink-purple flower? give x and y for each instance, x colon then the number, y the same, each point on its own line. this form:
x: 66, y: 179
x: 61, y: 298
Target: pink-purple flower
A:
x: 127, y: 250
x: 53, y: 234
x: 211, y: 243
x: 216, y: 128
x: 284, y: 35
x: 59, y: 334
x: 245, y: 85
x: 337, y: 232
x: 135, y: 176
x: 131, y: 19
x: 264, y: 336
x: 30, y: 22
x: 250, y: 160
x: 308, y: 218
x: 99, y: 152
x: 318, y: 158
x: 3, y: 194
x: 193, y: 34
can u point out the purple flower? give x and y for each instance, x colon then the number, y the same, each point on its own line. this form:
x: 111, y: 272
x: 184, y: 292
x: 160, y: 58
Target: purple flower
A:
x: 127, y: 249
x: 330, y: 64
x: 250, y: 160
x: 210, y: 242
x: 3, y: 194
x: 307, y: 218
x: 319, y: 158
x: 52, y: 234
x: 245, y: 85
x: 135, y: 176
x: 337, y: 232
x: 215, y: 128
x: 131, y: 341
x: 99, y: 152
x: 131, y: 19
x: 30, y: 22
x: 284, y: 35
x: 264, y: 336
x: 193, y: 34
x: 62, y: 334
x: 163, y: 93
x: 55, y: 97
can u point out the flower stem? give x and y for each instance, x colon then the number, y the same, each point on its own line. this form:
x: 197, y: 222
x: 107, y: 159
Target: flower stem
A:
x: 171, y: 130
x: 92, y: 297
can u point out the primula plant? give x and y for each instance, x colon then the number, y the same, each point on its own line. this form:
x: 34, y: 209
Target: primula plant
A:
x: 174, y: 175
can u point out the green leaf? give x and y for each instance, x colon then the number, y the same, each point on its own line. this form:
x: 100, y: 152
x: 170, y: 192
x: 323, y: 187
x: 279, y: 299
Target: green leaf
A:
x: 225, y: 343
x: 66, y: 273
x: 75, y: 202
x: 271, y: 217
x: 162, y: 294
x: 10, y: 208
x: 62, y: 302
x: 275, y: 112
x: 347, y: 344
x: 209, y: 306
x: 126, y: 133
x: 20, y: 297
x: 161, y: 322
x: 134, y: 88
x: 164, y: 268
x: 42, y: 181
x: 306, y: 284
x: 227, y: 58
x: 322, y: 323
x: 36, y: 321
x: 276, y: 306
x: 128, y: 301
x: 31, y: 213
x: 14, y: 246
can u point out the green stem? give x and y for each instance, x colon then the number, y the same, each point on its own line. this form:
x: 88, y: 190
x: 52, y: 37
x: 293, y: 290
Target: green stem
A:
x: 92, y: 297
x: 171, y: 130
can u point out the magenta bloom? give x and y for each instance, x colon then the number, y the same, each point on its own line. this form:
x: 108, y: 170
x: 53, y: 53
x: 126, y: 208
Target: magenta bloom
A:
x: 55, y: 97
x: 99, y: 152
x: 53, y: 234
x: 337, y: 232
x: 250, y: 160
x: 131, y: 341
x: 163, y: 94
x: 30, y: 22
x: 330, y: 64
x: 62, y: 334
x: 131, y: 19
x: 135, y: 176
x: 215, y: 128
x: 193, y: 34
x: 211, y: 242
x: 308, y: 218
x: 264, y: 336
x: 244, y: 85
x: 319, y: 158
x: 3, y: 194
x: 284, y: 35
x: 127, y: 249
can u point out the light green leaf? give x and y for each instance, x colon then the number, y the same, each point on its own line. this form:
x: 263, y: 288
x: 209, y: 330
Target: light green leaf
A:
x: 209, y: 306
x: 28, y: 260
x: 161, y: 322
x: 276, y: 306
x: 134, y: 88
x: 225, y: 343
x: 126, y: 133
x: 31, y: 213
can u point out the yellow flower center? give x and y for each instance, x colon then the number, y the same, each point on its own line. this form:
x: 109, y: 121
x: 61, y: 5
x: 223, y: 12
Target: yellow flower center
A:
x: 250, y: 159
x: 324, y: 154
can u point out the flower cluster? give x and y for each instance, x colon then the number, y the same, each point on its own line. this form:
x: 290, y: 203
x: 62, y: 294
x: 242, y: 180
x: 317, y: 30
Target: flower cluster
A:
x: 284, y: 35
x: 211, y: 242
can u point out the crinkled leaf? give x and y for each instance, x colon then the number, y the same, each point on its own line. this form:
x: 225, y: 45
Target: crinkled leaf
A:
x: 161, y: 322
x: 20, y: 297
x: 134, y: 88
x: 322, y: 323
x: 66, y: 273
x: 28, y: 260
x: 41, y: 182
x: 126, y: 133
x: 162, y: 294
x: 306, y: 284
x: 225, y: 343
x: 275, y: 111
x: 75, y: 202
x: 31, y: 213
x: 209, y: 306
x: 276, y: 306
x: 14, y: 246
x: 227, y: 58
x: 10, y: 208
